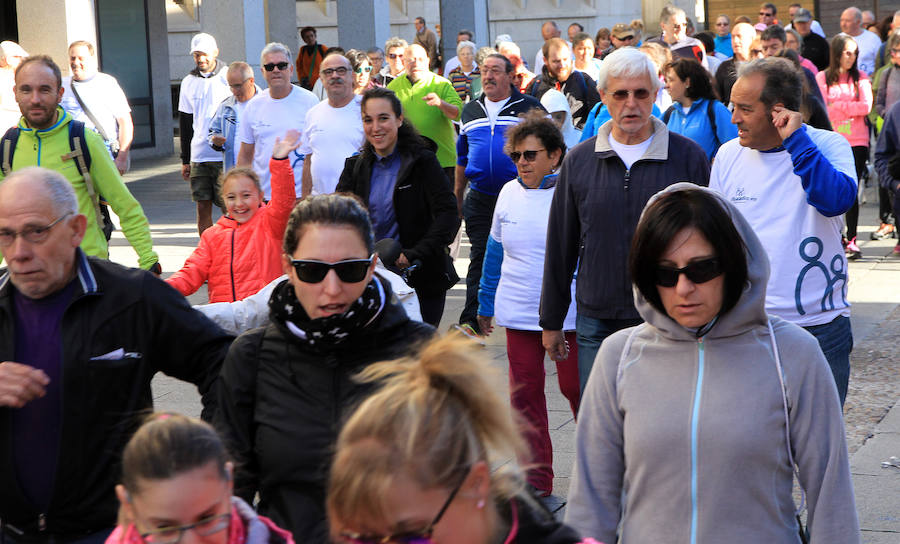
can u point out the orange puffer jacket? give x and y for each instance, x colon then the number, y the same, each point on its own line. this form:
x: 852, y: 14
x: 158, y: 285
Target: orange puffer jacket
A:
x: 238, y: 259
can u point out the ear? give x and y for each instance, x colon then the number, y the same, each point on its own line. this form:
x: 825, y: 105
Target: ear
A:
x: 286, y: 265
x: 60, y: 95
x: 126, y: 509
x: 479, y: 484
x: 79, y: 227
x: 687, y: 83
x: 555, y: 156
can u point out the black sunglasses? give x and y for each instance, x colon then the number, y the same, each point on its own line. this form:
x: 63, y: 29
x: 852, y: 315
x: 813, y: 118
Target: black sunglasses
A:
x: 530, y: 155
x: 272, y: 65
x: 697, y: 272
x: 349, y: 271
x: 640, y: 94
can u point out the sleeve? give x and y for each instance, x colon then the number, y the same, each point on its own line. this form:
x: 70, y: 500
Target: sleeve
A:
x: 195, y: 271
x: 862, y: 105
x: 234, y: 420
x: 305, y: 145
x: 184, y: 102
x: 283, y: 196
x: 829, y: 181
x: 245, y: 129
x: 880, y: 95
x: 595, y: 490
x: 563, y: 241
x: 449, y: 95
x: 589, y: 129
x: 462, y: 149
x: 346, y: 182
x: 725, y: 129
x: 186, y: 345
x: 242, y: 315
x: 592, y: 97
x: 119, y: 102
x: 442, y: 203
x: 215, y: 125
x: 823, y: 89
x: 490, y: 275
x: 698, y: 165
x: 186, y: 134
x: 131, y: 215
x: 716, y: 181
x: 886, y: 146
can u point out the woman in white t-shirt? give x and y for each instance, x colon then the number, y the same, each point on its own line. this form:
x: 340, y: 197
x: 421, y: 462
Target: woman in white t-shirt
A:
x: 511, y: 283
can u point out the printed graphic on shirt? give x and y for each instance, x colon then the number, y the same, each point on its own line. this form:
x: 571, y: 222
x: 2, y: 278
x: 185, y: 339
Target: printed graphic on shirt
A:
x: 836, y: 274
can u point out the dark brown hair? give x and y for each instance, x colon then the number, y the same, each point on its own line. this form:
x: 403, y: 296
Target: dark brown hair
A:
x: 336, y: 209
x: 536, y: 123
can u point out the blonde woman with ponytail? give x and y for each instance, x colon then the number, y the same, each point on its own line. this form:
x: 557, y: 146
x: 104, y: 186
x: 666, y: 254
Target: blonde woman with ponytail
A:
x: 413, y: 464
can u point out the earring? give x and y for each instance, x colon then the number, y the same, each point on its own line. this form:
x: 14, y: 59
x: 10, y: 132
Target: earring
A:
x: 480, y: 504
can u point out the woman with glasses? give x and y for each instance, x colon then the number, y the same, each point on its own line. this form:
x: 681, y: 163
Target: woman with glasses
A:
x: 398, y: 177
x: 176, y: 479
x: 848, y: 96
x: 461, y: 76
x: 423, y: 460
x: 284, y: 388
x: 510, y: 286
x: 693, y: 424
x: 362, y: 71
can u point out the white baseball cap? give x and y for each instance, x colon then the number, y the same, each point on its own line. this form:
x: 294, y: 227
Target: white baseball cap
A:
x: 12, y: 49
x: 204, y: 43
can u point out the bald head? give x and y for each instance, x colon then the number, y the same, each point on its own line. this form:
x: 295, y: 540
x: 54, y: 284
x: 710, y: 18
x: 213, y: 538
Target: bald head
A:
x: 549, y: 30
x: 416, y: 62
x: 742, y: 36
x: 44, y: 183
x: 851, y: 20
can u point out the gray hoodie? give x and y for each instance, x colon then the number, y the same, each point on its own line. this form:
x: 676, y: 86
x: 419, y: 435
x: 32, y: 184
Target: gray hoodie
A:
x: 683, y: 440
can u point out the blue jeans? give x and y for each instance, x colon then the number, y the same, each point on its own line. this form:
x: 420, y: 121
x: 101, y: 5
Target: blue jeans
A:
x: 590, y: 333
x: 836, y: 341
x: 478, y: 210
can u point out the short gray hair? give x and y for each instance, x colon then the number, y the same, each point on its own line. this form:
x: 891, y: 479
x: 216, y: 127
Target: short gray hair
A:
x: 274, y: 47
x: 668, y: 12
x: 463, y: 44
x: 245, y: 69
x: 58, y: 189
x: 796, y: 36
x: 484, y: 53
x: 627, y: 62
x: 395, y: 42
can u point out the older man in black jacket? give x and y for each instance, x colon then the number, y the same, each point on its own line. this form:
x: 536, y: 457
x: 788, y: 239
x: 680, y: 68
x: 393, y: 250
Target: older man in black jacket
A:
x: 81, y: 339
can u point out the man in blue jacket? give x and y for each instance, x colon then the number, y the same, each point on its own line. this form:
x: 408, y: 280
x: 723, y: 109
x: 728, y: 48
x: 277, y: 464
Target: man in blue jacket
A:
x: 482, y: 165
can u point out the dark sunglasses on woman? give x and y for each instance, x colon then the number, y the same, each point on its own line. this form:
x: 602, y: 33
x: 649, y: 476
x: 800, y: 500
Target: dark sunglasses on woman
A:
x: 697, y: 272
x: 349, y: 271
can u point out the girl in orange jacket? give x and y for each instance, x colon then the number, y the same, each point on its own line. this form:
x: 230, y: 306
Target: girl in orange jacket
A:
x: 241, y: 253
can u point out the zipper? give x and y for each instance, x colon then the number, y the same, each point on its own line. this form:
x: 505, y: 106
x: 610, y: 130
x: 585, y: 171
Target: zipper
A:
x: 627, y: 179
x: 695, y: 424
x: 231, y: 266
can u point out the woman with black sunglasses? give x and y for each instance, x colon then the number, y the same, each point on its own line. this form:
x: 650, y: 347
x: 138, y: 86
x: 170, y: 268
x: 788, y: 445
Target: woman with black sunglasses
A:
x: 285, y: 387
x: 424, y: 459
x: 693, y: 424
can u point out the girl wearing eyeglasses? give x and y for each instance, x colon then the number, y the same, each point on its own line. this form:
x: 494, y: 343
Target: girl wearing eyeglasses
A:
x: 240, y: 254
x: 284, y: 388
x: 693, y: 424
x: 398, y: 177
x: 424, y: 460
x: 177, y: 481
x: 510, y: 286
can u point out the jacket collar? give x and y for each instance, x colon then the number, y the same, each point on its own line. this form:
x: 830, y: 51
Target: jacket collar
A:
x: 63, y: 119
x: 659, y: 147
x: 83, y: 272
x: 219, y: 67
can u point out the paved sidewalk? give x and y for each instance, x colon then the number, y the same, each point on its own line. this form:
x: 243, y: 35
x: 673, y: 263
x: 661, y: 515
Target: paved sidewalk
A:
x: 872, y: 414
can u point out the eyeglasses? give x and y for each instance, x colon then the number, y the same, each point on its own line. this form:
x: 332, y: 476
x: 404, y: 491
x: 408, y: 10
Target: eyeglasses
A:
x: 530, y: 155
x: 395, y: 55
x: 340, y: 70
x: 697, y: 272
x: 622, y: 94
x: 32, y: 235
x: 417, y: 537
x: 362, y: 69
x: 349, y: 271
x: 721, y: 24
x: 492, y: 71
x: 239, y: 85
x: 282, y: 66
x: 204, y: 527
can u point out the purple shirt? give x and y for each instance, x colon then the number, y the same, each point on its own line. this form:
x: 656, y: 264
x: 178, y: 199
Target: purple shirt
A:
x: 36, y: 426
x: 381, y: 196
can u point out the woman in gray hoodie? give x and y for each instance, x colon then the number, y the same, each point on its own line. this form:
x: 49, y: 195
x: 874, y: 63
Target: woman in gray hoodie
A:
x: 691, y: 423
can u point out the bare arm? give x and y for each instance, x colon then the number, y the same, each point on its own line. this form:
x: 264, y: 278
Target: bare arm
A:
x: 306, y: 179
x: 126, y: 137
x: 245, y: 155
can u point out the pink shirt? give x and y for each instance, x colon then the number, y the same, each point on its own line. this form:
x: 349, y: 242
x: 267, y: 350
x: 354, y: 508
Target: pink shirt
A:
x: 848, y: 108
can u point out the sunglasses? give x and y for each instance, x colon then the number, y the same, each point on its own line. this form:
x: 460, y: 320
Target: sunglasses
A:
x: 349, y: 271
x: 362, y: 69
x: 640, y: 94
x: 395, y: 55
x: 272, y: 65
x: 340, y: 70
x: 697, y: 272
x: 530, y: 155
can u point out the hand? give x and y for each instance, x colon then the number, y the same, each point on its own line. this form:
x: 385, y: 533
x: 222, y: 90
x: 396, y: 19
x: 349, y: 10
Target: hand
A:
x: 20, y: 384
x: 217, y: 140
x: 282, y: 148
x: 786, y: 121
x: 402, y: 261
x: 485, y: 323
x: 432, y: 99
x: 186, y: 172
x: 555, y: 344
x: 122, y: 162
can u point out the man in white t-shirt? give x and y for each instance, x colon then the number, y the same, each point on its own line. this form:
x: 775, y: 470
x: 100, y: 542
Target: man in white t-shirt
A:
x: 792, y: 183
x: 868, y: 42
x: 88, y: 90
x: 202, y: 91
x: 333, y: 128
x: 11, y: 54
x: 271, y: 114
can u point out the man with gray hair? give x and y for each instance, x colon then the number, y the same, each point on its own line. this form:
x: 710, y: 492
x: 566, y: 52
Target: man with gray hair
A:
x: 396, y: 49
x: 603, y: 185
x: 793, y: 183
x: 674, y: 24
x: 224, y: 124
x: 82, y: 339
x: 868, y: 42
x: 273, y: 112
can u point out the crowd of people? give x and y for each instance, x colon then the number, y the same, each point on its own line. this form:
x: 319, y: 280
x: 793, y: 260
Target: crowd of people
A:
x: 669, y: 218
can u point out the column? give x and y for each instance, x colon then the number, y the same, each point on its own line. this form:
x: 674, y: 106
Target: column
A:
x: 463, y: 14
x: 363, y: 23
x: 49, y: 26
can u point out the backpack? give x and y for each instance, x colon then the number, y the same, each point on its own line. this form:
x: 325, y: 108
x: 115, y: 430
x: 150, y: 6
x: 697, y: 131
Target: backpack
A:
x: 79, y: 152
x: 710, y: 113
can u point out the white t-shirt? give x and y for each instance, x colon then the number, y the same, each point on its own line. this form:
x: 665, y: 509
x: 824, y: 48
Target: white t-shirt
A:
x: 450, y: 65
x: 9, y: 108
x: 520, y: 225
x: 102, y: 95
x: 764, y: 187
x: 266, y: 118
x: 200, y: 96
x: 869, y: 44
x: 332, y: 135
x: 493, y: 108
x: 629, y: 153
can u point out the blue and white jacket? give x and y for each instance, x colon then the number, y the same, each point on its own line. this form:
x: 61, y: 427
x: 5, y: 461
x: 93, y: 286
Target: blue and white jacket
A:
x: 480, y: 145
x: 225, y: 122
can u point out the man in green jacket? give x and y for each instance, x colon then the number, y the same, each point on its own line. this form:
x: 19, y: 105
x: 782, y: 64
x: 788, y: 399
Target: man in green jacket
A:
x: 44, y: 141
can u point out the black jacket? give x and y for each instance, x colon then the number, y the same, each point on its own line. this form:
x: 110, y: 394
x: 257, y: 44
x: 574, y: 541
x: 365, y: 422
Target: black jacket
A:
x: 536, y: 525
x: 425, y: 207
x: 103, y: 401
x: 282, y: 406
x: 580, y: 90
x: 816, y: 49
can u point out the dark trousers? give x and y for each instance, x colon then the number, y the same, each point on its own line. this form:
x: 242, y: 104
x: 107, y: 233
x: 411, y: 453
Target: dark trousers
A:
x: 836, y: 341
x: 860, y: 156
x: 431, y: 307
x: 591, y: 333
x: 478, y: 211
x: 885, y: 208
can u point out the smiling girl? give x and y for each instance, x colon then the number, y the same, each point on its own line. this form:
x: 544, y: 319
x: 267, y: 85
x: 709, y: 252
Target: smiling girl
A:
x: 241, y: 253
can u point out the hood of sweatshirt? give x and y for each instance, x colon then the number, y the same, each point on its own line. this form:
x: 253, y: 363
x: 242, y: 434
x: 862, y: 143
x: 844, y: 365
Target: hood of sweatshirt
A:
x: 750, y: 310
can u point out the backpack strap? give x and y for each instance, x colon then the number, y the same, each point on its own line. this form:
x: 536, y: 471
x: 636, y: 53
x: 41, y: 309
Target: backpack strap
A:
x: 9, y: 141
x: 80, y: 153
x: 711, y: 113
x: 668, y: 114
